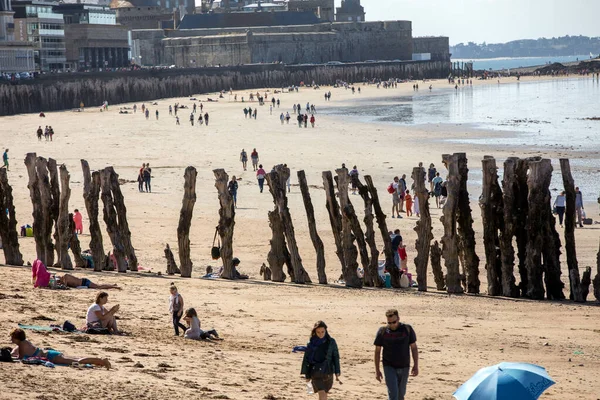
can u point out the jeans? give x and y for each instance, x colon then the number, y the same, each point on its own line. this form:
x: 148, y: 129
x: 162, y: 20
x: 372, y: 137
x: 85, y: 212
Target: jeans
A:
x: 177, y: 324
x: 579, y: 216
x: 396, y: 380
x: 261, y: 183
x: 561, y: 213
x: 397, y: 259
x: 148, y: 187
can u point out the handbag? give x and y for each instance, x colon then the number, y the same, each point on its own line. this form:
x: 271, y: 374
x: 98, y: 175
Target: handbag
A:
x: 215, y: 252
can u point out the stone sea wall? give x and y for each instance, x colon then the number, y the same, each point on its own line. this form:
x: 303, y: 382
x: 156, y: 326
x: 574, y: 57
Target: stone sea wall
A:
x: 66, y: 91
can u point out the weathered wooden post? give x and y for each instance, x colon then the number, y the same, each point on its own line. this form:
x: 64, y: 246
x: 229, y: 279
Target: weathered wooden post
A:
x: 348, y: 216
x: 540, y: 174
x: 492, y: 214
x: 185, y: 220
x: 119, y: 201
x: 8, y: 223
x: 423, y: 228
x: 450, y: 239
x: 41, y: 199
x: 312, y: 228
x: 55, y: 205
x: 226, y: 222
x: 572, y: 265
x: 335, y: 216
x: 65, y: 233
x: 510, y: 193
x: 76, y: 246
x: 171, y: 264
x: 371, y: 277
x: 91, y: 195
x: 596, y: 282
x: 436, y: 266
x: 551, y: 255
x: 279, y: 253
x: 466, y: 234
x: 390, y: 265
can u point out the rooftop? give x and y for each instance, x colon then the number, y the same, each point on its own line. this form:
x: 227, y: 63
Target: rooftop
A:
x: 248, y: 19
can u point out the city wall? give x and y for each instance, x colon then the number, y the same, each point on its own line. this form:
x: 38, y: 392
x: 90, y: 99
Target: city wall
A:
x: 66, y: 91
x: 438, y: 47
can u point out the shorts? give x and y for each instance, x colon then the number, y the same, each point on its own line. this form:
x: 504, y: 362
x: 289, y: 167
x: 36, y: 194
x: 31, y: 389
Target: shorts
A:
x: 396, y: 198
x: 86, y: 282
x: 52, y: 354
x: 322, y: 384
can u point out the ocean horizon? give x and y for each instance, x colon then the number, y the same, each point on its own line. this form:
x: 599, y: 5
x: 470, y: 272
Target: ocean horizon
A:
x: 501, y: 63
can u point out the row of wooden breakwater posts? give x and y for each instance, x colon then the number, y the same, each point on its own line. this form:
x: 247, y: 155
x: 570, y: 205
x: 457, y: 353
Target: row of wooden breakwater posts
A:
x: 516, y: 209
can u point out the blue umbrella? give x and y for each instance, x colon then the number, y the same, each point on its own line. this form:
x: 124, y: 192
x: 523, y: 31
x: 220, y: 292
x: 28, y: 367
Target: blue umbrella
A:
x: 506, y: 381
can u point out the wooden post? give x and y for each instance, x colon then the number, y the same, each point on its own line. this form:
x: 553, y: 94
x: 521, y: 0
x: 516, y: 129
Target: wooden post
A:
x: 522, y: 211
x: 55, y: 202
x: 510, y: 191
x: 390, y: 265
x: 348, y: 226
x: 276, y: 180
x: 335, y: 216
x: 171, y: 264
x: 41, y: 199
x: 572, y: 265
x: 185, y: 220
x: 312, y: 228
x: 450, y: 240
x: 436, y: 265
x: 226, y: 222
x: 278, y: 254
x: 596, y: 282
x: 91, y: 194
x: 466, y: 234
x: 8, y: 223
x: 123, y: 224
x: 423, y: 228
x: 111, y: 218
x: 551, y: 256
x: 492, y: 214
x: 65, y: 233
x: 75, y: 245
x: 371, y: 277
x: 540, y: 174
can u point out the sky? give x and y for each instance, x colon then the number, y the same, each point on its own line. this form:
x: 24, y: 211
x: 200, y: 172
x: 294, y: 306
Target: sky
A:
x: 491, y: 21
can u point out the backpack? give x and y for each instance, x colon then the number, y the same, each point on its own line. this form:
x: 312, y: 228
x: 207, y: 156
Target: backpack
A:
x: 391, y: 189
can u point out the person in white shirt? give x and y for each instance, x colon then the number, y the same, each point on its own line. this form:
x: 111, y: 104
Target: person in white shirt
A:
x: 99, y: 317
x: 194, y: 331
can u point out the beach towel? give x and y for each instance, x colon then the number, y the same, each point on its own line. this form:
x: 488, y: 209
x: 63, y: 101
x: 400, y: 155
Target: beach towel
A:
x: 51, y: 328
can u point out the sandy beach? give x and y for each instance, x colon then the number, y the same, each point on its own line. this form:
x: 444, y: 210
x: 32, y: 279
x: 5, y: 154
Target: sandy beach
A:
x: 261, y: 321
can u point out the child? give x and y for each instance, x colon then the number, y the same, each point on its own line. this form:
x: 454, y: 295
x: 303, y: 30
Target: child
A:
x: 408, y: 201
x: 403, y: 257
x: 78, y: 219
x: 176, y: 309
x: 25, y: 350
x: 194, y: 331
x: 416, y: 206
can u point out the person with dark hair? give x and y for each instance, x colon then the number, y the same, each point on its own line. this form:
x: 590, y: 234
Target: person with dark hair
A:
x: 78, y: 219
x: 321, y: 360
x: 25, y: 350
x: 99, y: 317
x: 260, y: 175
x: 397, y: 341
x: 194, y: 331
x: 431, y: 174
x: 236, y: 274
x: 147, y: 175
x: 232, y: 187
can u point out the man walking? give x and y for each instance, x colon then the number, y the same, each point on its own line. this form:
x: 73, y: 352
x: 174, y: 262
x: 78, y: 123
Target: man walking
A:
x: 396, y: 339
x: 5, y: 159
x: 578, y: 204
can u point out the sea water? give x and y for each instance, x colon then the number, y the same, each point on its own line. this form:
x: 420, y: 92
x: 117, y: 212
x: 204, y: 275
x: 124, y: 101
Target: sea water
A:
x: 497, y: 64
x: 541, y: 115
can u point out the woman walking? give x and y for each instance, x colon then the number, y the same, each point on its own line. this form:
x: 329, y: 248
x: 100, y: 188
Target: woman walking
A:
x: 260, y: 175
x: 560, y: 205
x: 321, y: 360
x: 244, y: 158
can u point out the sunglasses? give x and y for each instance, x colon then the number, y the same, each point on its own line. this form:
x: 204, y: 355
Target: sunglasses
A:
x: 393, y: 322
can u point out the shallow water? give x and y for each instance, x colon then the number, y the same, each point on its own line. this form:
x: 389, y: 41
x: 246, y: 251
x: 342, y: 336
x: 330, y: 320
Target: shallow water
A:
x: 542, y: 115
x: 497, y: 64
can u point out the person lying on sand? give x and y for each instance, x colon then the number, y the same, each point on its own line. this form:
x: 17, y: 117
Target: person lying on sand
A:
x: 73, y: 281
x: 25, y: 350
x: 194, y: 331
x: 99, y: 317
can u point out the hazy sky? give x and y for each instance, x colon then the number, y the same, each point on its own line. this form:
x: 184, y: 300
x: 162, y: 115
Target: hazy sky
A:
x: 491, y: 21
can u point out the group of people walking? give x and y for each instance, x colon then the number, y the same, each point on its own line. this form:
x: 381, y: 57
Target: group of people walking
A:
x: 394, y: 344
x: 47, y: 133
x: 560, y: 207
x: 144, y: 178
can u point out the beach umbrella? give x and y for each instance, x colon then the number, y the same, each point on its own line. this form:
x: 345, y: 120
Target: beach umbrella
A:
x: 506, y: 381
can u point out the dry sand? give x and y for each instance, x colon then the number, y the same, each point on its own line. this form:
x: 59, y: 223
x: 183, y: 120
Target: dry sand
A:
x: 261, y: 322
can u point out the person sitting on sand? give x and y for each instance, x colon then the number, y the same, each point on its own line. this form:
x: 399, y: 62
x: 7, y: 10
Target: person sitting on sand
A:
x: 40, y: 277
x: 236, y: 274
x: 25, y: 350
x: 194, y: 331
x: 72, y: 281
x: 99, y: 317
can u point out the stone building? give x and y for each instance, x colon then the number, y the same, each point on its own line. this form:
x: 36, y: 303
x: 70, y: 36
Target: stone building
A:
x: 350, y: 11
x: 35, y: 22
x: 144, y: 15
x: 324, y: 9
x: 92, y: 37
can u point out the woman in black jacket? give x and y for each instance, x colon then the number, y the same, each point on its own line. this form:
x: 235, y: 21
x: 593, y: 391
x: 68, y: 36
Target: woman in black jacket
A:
x: 321, y: 360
